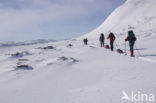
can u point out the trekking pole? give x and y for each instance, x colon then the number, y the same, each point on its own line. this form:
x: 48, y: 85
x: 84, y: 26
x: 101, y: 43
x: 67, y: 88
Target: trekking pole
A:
x: 116, y: 45
x: 137, y: 50
x: 125, y: 49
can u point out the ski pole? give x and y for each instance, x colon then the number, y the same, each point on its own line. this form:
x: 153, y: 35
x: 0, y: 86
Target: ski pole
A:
x: 125, y: 49
x: 116, y: 45
x: 137, y: 50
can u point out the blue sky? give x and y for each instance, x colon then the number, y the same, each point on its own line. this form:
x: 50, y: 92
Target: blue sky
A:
x: 51, y: 19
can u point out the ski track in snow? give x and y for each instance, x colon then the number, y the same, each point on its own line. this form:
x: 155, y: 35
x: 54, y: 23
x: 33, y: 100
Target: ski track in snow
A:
x: 147, y: 59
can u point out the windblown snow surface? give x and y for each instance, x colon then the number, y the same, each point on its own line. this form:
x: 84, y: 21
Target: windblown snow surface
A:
x: 70, y: 72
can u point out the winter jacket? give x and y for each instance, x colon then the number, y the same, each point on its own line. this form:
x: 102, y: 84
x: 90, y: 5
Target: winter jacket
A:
x: 131, y: 38
x: 102, y: 38
x: 111, y: 37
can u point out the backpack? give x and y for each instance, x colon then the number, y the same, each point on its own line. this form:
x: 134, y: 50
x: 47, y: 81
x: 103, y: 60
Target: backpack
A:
x: 101, y: 39
x: 131, y: 36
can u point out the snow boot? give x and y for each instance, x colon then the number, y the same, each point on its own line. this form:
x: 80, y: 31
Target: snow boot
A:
x: 132, y: 55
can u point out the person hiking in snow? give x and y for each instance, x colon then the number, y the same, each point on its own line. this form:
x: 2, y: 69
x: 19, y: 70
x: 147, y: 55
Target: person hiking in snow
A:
x: 85, y: 41
x: 112, y: 38
x: 102, y: 40
x: 131, y: 38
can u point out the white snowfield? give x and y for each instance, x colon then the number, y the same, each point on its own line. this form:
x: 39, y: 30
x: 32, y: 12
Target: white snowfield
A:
x: 70, y: 72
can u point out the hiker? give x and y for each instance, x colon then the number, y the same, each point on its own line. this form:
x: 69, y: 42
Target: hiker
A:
x: 102, y: 40
x: 85, y: 41
x: 131, y: 38
x: 112, y: 38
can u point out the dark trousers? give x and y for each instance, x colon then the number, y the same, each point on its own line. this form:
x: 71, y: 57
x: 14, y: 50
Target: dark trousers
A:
x: 102, y: 43
x: 111, y: 46
x: 85, y: 43
x: 131, y: 44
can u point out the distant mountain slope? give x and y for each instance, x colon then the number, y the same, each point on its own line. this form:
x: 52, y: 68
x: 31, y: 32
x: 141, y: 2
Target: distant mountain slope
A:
x: 139, y: 15
x: 22, y: 43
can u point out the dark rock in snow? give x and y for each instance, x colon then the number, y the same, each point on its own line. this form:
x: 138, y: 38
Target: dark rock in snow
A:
x: 74, y: 60
x: 48, y: 47
x: 69, y: 45
x: 62, y: 61
x: 23, y: 60
x: 63, y: 58
x: 45, y: 48
x: 23, y: 67
x: 17, y: 54
x: 20, y: 54
x: 38, y: 48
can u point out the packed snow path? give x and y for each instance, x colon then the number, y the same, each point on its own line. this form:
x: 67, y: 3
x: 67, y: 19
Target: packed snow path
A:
x: 76, y: 74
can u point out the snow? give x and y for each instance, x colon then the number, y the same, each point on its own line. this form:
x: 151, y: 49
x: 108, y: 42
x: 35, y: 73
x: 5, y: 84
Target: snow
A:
x: 80, y: 73
x: 31, y: 42
x: 97, y: 76
x: 138, y: 15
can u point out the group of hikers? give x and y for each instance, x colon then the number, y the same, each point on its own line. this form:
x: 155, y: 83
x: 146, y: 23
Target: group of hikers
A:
x: 131, y: 38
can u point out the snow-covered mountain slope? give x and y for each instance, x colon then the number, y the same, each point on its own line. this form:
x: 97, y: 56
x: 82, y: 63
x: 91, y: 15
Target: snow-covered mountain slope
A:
x: 138, y: 15
x: 70, y: 72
